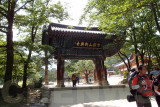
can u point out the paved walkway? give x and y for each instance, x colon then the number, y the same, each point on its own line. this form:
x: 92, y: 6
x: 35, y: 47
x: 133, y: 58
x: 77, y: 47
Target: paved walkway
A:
x: 92, y: 97
x: 113, y: 80
x: 86, y: 95
x: 108, y: 97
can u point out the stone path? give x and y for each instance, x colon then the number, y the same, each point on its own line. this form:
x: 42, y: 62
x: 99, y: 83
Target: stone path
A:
x: 103, y: 97
x: 110, y: 97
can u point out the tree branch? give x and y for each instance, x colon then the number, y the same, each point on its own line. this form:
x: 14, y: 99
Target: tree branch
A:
x: 128, y: 10
x: 35, y: 32
x: 19, y: 54
x: 3, y: 51
x: 32, y: 34
x: 155, y: 16
x: 3, y: 9
x: 3, y: 14
x: 123, y: 61
x: 2, y: 31
x: 129, y: 66
x: 9, y: 4
x: 135, y: 46
x: 3, y: 27
x: 2, y: 46
x: 23, y: 6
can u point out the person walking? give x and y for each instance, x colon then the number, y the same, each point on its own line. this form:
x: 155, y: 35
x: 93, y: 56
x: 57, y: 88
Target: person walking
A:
x: 90, y: 79
x: 77, y: 79
x: 142, y: 84
x: 156, y: 85
x: 74, y: 80
x: 68, y: 79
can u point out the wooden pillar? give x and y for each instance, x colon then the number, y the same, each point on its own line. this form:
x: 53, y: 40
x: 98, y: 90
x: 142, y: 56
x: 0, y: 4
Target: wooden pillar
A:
x: 105, y: 70
x: 100, y: 71
x: 60, y: 72
x: 104, y: 79
x: 95, y: 71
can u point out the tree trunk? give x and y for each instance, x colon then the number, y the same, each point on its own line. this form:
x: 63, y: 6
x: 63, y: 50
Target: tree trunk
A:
x: 155, y: 16
x: 33, y: 33
x: 86, y: 76
x: 135, y: 47
x: 9, y: 63
x: 142, y: 58
x: 155, y: 52
x: 25, y: 69
x: 149, y: 64
x: 10, y: 55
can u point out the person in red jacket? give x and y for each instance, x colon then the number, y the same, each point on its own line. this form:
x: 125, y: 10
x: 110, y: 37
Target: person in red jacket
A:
x: 142, y: 84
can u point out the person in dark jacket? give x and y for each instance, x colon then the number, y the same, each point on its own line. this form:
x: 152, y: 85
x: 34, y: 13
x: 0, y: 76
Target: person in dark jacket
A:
x: 157, y: 89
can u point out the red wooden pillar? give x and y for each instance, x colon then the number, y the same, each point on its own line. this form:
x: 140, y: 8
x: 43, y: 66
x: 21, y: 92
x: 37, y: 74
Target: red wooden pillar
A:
x: 60, y: 72
x: 104, y: 72
x: 100, y: 71
x: 95, y: 71
x: 97, y: 63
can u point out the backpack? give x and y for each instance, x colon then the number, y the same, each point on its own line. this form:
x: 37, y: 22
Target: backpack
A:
x: 131, y: 77
x: 131, y: 98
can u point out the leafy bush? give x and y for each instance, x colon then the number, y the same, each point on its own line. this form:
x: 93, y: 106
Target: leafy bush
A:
x: 35, y: 80
x: 125, y: 74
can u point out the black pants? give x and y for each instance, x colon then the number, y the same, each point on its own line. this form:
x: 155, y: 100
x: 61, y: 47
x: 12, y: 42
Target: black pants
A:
x: 74, y: 83
x: 142, y: 101
x: 158, y: 100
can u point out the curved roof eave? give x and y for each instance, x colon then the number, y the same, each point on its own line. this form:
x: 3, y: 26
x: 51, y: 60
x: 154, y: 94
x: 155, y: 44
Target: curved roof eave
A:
x: 73, y: 27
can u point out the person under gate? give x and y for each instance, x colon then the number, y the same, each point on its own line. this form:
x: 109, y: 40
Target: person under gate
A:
x: 74, y: 80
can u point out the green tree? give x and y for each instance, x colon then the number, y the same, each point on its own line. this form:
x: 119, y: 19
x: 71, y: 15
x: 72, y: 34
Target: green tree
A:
x: 69, y: 67
x: 8, y: 9
x: 138, y: 18
x: 84, y: 66
x: 37, y: 14
x: 2, y: 58
x: 114, y: 13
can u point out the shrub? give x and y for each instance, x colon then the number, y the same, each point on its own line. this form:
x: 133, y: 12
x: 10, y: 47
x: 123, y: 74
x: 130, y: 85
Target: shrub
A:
x: 125, y: 74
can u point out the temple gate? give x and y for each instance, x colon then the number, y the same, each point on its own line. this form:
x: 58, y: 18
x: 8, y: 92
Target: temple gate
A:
x: 72, y: 42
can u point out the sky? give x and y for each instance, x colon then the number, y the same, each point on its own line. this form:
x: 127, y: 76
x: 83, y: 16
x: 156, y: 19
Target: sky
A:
x: 75, y: 10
